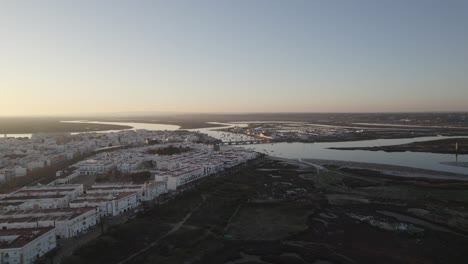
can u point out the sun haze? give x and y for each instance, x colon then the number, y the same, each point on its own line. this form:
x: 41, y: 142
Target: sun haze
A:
x: 67, y: 57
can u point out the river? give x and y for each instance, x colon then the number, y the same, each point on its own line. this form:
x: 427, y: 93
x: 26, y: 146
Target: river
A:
x: 422, y: 160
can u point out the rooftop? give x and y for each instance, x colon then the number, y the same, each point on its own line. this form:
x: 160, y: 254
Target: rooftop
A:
x: 18, y: 238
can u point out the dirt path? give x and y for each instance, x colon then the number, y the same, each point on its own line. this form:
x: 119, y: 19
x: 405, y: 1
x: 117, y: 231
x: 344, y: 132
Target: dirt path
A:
x: 69, y: 245
x: 173, y: 230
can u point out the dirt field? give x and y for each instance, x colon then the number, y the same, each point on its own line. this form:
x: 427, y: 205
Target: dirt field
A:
x: 268, y: 221
x: 275, y: 211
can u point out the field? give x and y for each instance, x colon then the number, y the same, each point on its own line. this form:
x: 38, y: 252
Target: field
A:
x: 278, y: 211
x: 401, y: 124
x: 445, y: 146
x: 48, y: 125
x: 268, y: 221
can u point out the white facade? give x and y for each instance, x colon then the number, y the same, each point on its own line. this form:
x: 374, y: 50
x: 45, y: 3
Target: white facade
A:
x: 108, y: 204
x: 93, y: 167
x: 72, y: 191
x: 34, y: 202
x: 68, y: 179
x: 145, y: 191
x: 185, y: 168
x: 155, y: 189
x: 25, y: 246
x: 41, y: 197
x: 67, y: 222
x: 129, y: 166
x: 20, y: 171
x: 180, y: 177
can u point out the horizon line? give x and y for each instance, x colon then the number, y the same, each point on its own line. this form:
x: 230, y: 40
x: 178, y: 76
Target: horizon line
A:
x: 142, y: 113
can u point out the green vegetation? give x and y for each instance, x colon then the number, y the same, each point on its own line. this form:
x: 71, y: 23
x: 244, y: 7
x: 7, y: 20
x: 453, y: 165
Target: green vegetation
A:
x: 274, y: 212
x: 116, y: 176
x: 269, y: 221
x: 169, y: 150
x: 211, y: 204
x: 39, y: 175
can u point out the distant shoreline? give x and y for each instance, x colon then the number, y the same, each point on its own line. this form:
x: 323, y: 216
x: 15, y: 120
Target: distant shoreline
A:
x: 440, y: 146
x: 183, y: 124
x: 54, y: 126
x: 393, y: 170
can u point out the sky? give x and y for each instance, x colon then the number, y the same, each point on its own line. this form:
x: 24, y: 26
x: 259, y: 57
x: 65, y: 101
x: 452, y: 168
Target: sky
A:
x: 110, y: 56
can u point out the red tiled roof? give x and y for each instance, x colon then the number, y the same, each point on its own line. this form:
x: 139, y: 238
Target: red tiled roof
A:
x: 23, y: 236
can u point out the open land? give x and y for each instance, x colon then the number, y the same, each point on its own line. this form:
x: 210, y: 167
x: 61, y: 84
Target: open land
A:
x: 49, y: 125
x: 386, y: 169
x: 285, y: 211
x: 448, y: 119
x: 181, y: 122
x: 444, y: 146
x: 315, y: 127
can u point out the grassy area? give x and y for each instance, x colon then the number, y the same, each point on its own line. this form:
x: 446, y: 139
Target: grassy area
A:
x: 169, y: 150
x: 217, y: 197
x: 408, y: 193
x: 270, y: 213
x: 139, y: 231
x: 269, y: 221
x: 116, y: 176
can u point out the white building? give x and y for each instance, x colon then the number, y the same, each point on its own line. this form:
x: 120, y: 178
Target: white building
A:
x: 108, y: 204
x: 20, y: 171
x: 35, y: 164
x: 25, y: 246
x: 66, y: 180
x: 176, y: 178
x: 145, y: 191
x: 129, y: 165
x: 68, y: 222
x: 72, y: 191
x: 93, y: 167
x: 182, y: 169
x: 155, y: 189
x: 41, y: 197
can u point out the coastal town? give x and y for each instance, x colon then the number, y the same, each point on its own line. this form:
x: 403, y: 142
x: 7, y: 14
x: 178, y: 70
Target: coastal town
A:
x: 233, y: 132
x: 101, y: 176
x: 338, y: 130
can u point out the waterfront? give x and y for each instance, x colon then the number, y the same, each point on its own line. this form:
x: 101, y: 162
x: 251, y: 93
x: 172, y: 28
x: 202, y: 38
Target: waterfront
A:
x: 420, y: 160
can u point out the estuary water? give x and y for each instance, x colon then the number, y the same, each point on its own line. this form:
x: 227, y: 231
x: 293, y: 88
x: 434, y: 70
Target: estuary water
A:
x: 430, y: 161
x: 420, y: 160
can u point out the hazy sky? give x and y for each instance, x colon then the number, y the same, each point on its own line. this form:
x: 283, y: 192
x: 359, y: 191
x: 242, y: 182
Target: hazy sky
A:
x: 61, y: 57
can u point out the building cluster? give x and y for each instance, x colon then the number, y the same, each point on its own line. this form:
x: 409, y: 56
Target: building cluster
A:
x: 293, y: 131
x: 181, y: 169
x: 18, y: 156
x: 174, y: 170
x: 111, y: 199
x: 34, y: 218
